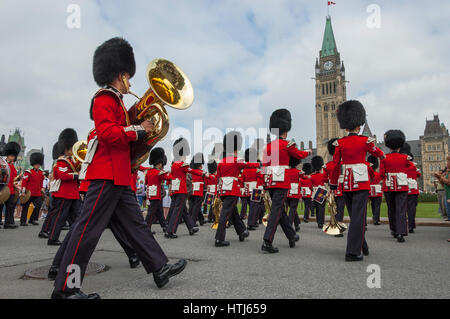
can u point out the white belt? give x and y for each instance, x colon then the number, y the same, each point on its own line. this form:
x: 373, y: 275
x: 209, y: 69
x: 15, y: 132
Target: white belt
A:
x: 360, y: 171
x: 175, y: 185
x: 277, y: 172
x: 412, y: 183
x: 250, y: 185
x: 227, y: 182
x: 402, y: 178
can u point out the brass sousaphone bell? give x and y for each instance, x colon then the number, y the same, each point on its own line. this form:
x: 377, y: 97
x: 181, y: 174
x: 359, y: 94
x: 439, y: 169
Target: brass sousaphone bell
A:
x: 170, y: 86
x: 79, y: 151
x: 333, y: 227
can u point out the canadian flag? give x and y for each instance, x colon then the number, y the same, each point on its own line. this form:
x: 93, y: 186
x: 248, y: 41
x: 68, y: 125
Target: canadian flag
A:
x: 331, y: 3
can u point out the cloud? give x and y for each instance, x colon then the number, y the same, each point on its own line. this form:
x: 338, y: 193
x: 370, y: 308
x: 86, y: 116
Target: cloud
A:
x: 244, y: 57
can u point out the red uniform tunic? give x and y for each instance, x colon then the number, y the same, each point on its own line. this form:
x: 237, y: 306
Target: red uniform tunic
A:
x: 393, y: 171
x: 111, y: 160
x: 153, y: 179
x: 413, y: 174
x: 64, y: 170
x: 306, y: 186
x: 375, y: 186
x: 33, y: 181
x: 228, y: 172
x: 253, y: 179
x: 211, y: 184
x: 294, y: 176
x: 243, y: 187
x: 133, y: 183
x: 276, y: 160
x: 328, y: 170
x: 178, y: 171
x: 350, y: 154
x: 12, y: 176
x: 197, y: 183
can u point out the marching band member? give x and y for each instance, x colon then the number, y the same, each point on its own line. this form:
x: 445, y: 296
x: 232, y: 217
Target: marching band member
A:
x: 318, y: 179
x: 252, y: 181
x: 340, y: 202
x: 154, y: 178
x: 413, y: 193
x: 276, y: 160
x: 294, y: 195
x: 376, y: 193
x: 11, y: 151
x: 65, y: 198
x: 350, y: 155
x: 178, y: 189
x: 228, y: 172
x: 109, y: 198
x: 195, y: 201
x: 393, y: 171
x: 211, y: 186
x: 306, y: 189
x: 33, y: 181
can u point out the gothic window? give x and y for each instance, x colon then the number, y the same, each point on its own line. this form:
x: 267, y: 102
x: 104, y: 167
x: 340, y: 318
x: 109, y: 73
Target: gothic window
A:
x: 334, y: 85
x: 326, y: 115
x: 323, y: 89
x: 333, y: 107
x: 429, y: 147
x: 325, y: 107
x: 439, y: 147
x: 326, y: 84
x: 434, y: 147
x: 318, y: 106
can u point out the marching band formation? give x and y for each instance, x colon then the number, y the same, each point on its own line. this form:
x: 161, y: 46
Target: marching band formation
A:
x: 91, y: 181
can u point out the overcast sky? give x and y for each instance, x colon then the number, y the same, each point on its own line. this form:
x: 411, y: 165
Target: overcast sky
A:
x: 245, y: 58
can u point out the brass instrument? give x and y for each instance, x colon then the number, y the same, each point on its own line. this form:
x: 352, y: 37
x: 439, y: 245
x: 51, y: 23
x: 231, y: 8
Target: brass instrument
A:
x: 79, y: 151
x: 268, y: 206
x: 24, y: 197
x: 168, y: 85
x: 217, y: 207
x: 333, y: 227
x: 4, y: 180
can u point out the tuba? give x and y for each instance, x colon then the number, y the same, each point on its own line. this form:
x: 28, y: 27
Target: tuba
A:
x: 333, y: 227
x: 79, y: 151
x: 168, y: 86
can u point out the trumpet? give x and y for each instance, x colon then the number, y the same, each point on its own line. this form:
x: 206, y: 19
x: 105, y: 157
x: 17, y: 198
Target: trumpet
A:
x: 170, y: 86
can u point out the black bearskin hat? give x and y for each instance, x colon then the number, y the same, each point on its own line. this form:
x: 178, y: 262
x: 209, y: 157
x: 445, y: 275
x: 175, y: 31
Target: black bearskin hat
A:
x: 317, y: 163
x: 351, y: 114
x: 331, y: 147
x: 197, y: 161
x: 394, y: 139
x: 156, y: 156
x: 374, y: 161
x: 56, y: 151
x: 280, y: 121
x: 113, y: 57
x: 164, y: 160
x: 12, y: 148
x: 212, y: 167
x: 232, y: 141
x: 66, y: 139
x: 251, y: 155
x: 406, y: 148
x: 181, y: 148
x: 307, y: 168
x: 36, y: 158
x: 293, y: 162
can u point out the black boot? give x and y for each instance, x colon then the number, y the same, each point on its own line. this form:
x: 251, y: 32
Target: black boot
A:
x: 353, y: 258
x: 251, y: 228
x: 10, y: 226
x: 411, y: 231
x: 243, y: 235
x: 221, y: 243
x: 193, y: 231
x: 134, y: 261
x: 339, y: 235
x: 365, y: 251
x: 52, y: 272
x: 43, y: 234
x: 162, y: 276
x: 297, y: 228
x: 400, y: 239
x: 266, y: 246
x: 73, y: 295
x: 170, y: 235
x: 53, y: 242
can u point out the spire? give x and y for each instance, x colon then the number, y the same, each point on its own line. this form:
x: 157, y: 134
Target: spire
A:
x: 328, y: 43
x: 367, y: 131
x: 342, y: 67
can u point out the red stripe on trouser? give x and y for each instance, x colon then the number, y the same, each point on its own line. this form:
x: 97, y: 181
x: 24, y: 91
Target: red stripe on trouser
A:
x: 278, y: 218
x: 82, y: 234
x: 57, y: 217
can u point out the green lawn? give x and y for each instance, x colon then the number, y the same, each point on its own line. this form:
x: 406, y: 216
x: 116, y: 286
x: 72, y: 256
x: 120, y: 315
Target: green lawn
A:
x: 424, y: 210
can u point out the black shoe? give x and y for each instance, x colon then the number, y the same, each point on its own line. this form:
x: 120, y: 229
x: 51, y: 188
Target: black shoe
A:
x: 164, y: 229
x: 162, y: 276
x: 266, y: 246
x: 53, y: 242
x: 134, y: 262
x: 202, y: 223
x: 195, y: 225
x: 339, y: 235
x: 171, y: 236
x: 376, y: 223
x: 297, y: 228
x: 320, y: 226
x: 10, y: 226
x: 250, y: 228
x: 354, y: 258
x: 365, y: 251
x: 193, y: 231
x: 153, y: 233
x: 305, y: 221
x: 400, y: 239
x: 43, y: 234
x: 394, y: 234
x: 411, y: 231
x: 33, y: 222
x: 73, y: 295
x: 52, y: 272
x: 243, y: 235
x: 23, y: 224
x: 221, y: 243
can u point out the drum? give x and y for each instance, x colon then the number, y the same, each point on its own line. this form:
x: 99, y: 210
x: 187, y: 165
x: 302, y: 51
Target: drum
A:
x: 4, y: 180
x: 256, y: 195
x: 320, y: 194
x: 209, y: 199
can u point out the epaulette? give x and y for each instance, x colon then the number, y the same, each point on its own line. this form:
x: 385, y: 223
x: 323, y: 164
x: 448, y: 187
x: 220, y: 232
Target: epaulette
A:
x: 409, y: 158
x: 161, y: 173
x: 371, y: 140
x: 291, y: 143
x: 184, y: 164
x: 336, y: 143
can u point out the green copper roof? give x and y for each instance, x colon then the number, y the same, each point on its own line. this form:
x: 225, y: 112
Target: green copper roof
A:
x: 328, y: 43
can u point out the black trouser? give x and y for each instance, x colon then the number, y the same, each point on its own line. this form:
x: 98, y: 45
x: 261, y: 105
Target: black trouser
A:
x: 356, y: 203
x: 61, y: 209
x: 293, y: 215
x: 320, y: 211
x: 10, y: 207
x: 307, y: 202
x: 155, y: 212
x: 278, y: 216
x: 177, y: 210
x: 340, y: 208
x: 375, y: 204
x: 106, y: 203
x: 262, y: 211
x: 229, y: 210
x: 253, y: 215
x: 412, y: 205
x: 195, y: 209
x: 397, y: 209
x: 37, y: 203
x: 244, y: 205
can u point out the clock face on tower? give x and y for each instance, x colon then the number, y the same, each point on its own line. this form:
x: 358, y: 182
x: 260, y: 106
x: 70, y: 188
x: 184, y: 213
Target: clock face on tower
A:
x: 328, y: 65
